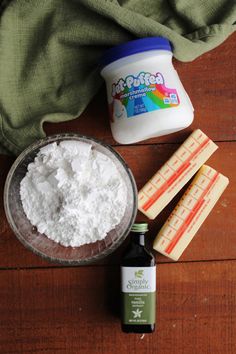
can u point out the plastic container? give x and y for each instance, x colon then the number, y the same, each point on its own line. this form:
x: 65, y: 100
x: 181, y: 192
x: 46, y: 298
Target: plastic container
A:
x: 145, y: 95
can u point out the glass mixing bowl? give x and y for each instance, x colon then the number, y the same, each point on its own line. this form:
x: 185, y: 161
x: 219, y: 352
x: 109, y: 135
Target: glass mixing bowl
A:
x: 42, y: 245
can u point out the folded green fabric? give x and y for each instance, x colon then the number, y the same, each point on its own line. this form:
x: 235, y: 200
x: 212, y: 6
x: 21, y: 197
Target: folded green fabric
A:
x: 49, y: 52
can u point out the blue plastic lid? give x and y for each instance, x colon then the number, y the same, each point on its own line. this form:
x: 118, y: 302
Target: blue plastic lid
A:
x: 134, y: 47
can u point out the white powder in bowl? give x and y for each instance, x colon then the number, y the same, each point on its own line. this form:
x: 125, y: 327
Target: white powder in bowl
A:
x: 73, y: 193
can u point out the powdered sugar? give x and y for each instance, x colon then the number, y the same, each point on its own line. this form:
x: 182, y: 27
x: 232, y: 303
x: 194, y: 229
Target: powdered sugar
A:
x: 73, y: 193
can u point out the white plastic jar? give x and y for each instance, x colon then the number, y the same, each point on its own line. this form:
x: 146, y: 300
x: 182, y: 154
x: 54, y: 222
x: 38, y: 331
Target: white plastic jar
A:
x: 145, y: 95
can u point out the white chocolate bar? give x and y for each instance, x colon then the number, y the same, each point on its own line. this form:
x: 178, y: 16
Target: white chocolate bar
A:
x: 190, y: 212
x: 175, y: 173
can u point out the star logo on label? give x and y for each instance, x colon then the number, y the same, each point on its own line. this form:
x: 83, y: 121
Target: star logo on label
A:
x: 137, y: 313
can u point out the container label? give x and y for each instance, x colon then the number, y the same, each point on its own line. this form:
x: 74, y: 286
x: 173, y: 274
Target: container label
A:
x: 139, y: 94
x: 138, y: 286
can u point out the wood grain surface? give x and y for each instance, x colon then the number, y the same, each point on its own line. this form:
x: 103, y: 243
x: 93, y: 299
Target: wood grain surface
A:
x: 47, y: 308
x: 76, y: 310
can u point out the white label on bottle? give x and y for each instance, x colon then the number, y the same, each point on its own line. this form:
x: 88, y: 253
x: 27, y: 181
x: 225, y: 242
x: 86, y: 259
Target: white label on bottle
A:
x: 138, y: 279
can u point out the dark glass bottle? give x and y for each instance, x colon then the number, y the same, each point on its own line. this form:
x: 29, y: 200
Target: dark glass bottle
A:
x: 138, y: 284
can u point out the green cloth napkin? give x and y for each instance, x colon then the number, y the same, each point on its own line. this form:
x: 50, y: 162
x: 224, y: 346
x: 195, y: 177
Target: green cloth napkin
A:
x: 49, y: 52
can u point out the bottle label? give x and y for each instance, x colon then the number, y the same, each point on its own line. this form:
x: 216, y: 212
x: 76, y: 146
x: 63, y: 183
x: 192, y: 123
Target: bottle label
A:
x: 146, y: 92
x: 138, y: 286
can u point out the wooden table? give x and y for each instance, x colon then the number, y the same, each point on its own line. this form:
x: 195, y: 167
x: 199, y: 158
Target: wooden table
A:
x: 48, y: 308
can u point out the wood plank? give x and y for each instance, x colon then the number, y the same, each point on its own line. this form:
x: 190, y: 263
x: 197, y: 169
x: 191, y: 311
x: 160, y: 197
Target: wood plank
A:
x: 209, y: 82
x: 215, y: 240
x: 76, y: 310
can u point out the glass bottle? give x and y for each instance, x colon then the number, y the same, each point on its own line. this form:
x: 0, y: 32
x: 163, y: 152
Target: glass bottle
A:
x: 138, y: 284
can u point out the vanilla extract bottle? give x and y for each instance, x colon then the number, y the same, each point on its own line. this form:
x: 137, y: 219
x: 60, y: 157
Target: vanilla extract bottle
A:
x: 138, y: 284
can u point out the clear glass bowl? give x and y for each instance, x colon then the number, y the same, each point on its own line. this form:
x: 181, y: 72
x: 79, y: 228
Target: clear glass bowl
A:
x: 42, y: 245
